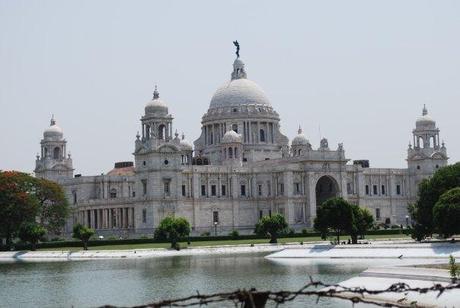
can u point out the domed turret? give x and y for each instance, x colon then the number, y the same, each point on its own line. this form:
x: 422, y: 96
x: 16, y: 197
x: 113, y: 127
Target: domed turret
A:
x: 53, y: 131
x: 425, y: 121
x: 53, y: 163
x: 300, y: 139
x: 156, y: 105
x: 185, y: 144
x: 300, y: 144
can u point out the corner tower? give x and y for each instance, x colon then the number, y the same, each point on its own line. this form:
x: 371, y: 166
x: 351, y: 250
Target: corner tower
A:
x: 53, y: 163
x: 427, y: 153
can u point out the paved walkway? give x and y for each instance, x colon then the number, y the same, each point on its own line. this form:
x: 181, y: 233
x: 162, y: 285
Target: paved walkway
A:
x: 380, y: 278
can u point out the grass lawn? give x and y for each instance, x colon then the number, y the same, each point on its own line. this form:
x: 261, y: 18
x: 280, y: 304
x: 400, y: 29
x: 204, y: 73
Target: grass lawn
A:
x: 219, y: 243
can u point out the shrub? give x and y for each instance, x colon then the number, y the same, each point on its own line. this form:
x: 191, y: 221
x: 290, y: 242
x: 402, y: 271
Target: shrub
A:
x: 82, y: 233
x: 304, y: 231
x: 234, y: 234
x: 206, y: 233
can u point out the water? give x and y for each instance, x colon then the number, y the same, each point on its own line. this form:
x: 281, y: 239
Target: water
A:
x: 141, y: 281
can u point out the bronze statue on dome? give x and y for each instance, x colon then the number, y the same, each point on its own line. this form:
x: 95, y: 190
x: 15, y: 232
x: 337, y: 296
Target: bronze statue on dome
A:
x: 237, y: 45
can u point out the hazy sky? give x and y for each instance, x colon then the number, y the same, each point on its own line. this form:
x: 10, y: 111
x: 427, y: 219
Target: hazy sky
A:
x: 360, y: 70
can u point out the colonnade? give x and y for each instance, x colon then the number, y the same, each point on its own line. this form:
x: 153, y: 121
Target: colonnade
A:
x: 121, y: 218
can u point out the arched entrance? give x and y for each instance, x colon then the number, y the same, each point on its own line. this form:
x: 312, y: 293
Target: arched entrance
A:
x: 326, y: 188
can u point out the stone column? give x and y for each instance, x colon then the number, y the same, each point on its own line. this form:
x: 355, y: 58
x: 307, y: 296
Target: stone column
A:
x: 311, y: 196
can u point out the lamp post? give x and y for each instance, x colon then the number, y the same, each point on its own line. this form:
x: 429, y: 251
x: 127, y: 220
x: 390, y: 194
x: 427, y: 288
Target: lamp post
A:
x: 215, y: 228
x: 407, y: 221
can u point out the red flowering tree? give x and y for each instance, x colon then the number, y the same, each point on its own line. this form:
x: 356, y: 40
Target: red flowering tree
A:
x: 18, y: 203
x: 26, y: 199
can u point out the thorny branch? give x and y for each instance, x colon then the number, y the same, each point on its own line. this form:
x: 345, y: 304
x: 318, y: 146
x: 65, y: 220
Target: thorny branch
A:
x: 257, y: 299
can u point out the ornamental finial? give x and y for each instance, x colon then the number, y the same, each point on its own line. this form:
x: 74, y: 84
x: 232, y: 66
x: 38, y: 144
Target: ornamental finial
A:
x: 299, y: 131
x: 156, y: 94
x: 237, y: 45
x: 424, y: 111
x: 53, y: 121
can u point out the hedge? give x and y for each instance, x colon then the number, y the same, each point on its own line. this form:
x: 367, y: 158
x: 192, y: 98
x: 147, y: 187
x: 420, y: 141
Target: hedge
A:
x: 23, y: 246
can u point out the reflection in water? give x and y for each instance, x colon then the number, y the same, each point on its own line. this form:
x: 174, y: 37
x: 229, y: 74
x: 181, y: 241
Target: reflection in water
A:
x: 139, y: 281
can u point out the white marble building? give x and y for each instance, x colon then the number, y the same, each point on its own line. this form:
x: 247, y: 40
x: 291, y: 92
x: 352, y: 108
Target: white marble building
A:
x: 239, y: 169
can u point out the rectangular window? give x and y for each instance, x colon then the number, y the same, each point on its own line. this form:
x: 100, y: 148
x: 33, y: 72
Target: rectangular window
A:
x: 183, y: 191
x: 223, y: 190
x: 215, y: 216
x: 269, y: 188
x: 377, y: 214
x: 375, y: 190
x: 281, y: 189
x: 297, y: 188
x: 203, y: 190
x: 144, y: 187
x: 213, y: 190
x: 383, y: 189
x: 261, y: 214
x: 270, y: 213
x: 134, y: 194
x: 144, y: 215
x: 259, y: 189
x: 367, y: 189
x: 243, y: 190
x: 398, y: 189
x: 166, y: 188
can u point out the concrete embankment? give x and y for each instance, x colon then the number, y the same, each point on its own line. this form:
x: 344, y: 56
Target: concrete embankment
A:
x: 136, y: 253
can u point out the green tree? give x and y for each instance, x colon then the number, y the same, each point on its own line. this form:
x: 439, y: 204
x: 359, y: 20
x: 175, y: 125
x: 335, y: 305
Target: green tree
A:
x: 362, y: 221
x: 18, y: 203
x: 335, y: 214
x: 430, y: 190
x: 446, y: 213
x: 83, y: 234
x: 272, y: 226
x: 172, y: 229
x: 53, y: 206
x: 31, y: 232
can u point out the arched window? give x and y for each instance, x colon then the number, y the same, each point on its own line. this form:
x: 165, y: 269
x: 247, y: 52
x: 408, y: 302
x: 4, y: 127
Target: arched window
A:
x: 262, y: 135
x: 46, y: 152
x: 147, y: 132
x: 236, y: 153
x: 299, y: 152
x: 161, y: 132
x: 57, y: 153
x: 230, y: 153
x: 113, y: 193
x: 235, y: 128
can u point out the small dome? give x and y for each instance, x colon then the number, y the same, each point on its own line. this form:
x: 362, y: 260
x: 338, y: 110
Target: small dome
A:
x: 231, y: 137
x: 156, y: 105
x: 300, y: 139
x: 185, y: 144
x: 53, y: 130
x: 425, y: 120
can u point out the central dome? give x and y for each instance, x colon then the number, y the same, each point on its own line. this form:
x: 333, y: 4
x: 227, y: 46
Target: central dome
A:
x: 239, y: 90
